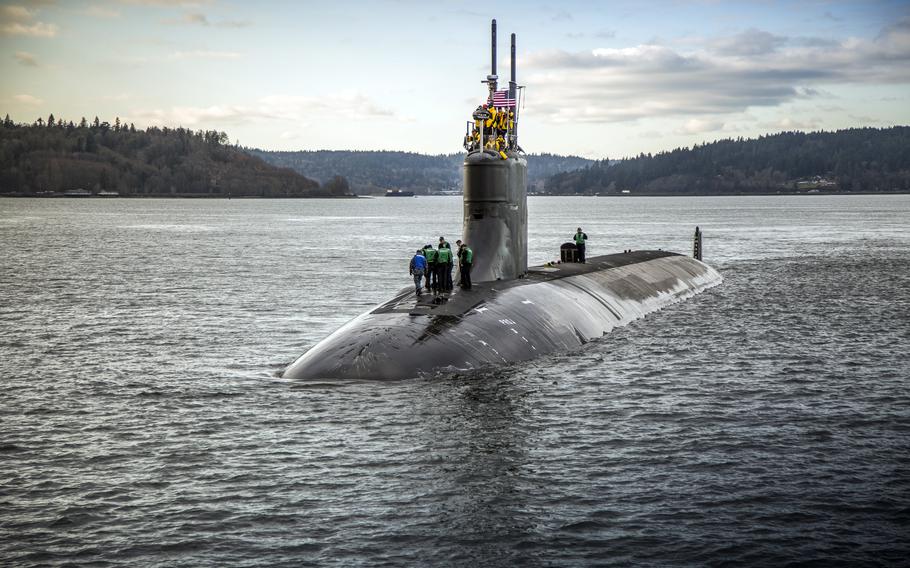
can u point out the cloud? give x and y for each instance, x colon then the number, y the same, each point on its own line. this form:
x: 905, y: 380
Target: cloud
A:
x: 194, y: 116
x: 561, y: 16
x: 19, y: 20
x: 27, y: 100
x: 26, y: 59
x: 117, y: 97
x: 788, y: 123
x: 713, y: 78
x: 356, y: 106
x: 97, y: 11
x: 202, y: 54
x: 167, y: 3
x: 699, y: 125
x: 749, y: 42
x: 200, y: 19
x: 176, y: 56
x: 864, y: 119
x: 275, y: 107
x: 196, y: 18
x: 233, y: 24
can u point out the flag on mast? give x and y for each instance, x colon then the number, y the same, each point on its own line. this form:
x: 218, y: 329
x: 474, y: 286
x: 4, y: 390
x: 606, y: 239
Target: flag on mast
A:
x: 502, y: 99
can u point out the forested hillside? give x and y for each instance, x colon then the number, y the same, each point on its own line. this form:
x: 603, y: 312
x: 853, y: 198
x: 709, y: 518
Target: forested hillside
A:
x: 55, y: 156
x: 370, y: 171
x: 854, y: 160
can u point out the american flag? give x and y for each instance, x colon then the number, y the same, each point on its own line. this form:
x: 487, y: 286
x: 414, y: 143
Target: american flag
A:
x: 502, y: 99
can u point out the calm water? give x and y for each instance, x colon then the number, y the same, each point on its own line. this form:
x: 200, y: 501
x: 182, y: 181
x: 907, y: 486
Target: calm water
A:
x: 142, y: 422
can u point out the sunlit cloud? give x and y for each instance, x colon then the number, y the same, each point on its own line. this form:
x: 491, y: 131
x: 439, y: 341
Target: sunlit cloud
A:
x: 28, y: 100
x: 191, y: 18
x: 788, y: 124
x: 26, y: 59
x: 294, y: 108
x: 19, y: 20
x: 700, y: 125
x: 200, y: 19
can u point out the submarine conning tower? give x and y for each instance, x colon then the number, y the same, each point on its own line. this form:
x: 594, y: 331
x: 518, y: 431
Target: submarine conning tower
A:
x: 495, y: 182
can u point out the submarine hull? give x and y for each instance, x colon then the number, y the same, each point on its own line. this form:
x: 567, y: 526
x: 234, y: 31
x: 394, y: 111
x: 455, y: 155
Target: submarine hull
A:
x: 552, y: 310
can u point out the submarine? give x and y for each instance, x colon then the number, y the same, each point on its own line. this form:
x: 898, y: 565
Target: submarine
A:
x: 512, y: 313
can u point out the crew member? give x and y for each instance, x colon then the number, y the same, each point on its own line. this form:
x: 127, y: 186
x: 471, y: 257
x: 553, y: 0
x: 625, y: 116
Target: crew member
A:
x: 465, y: 261
x: 417, y: 269
x: 444, y: 266
x: 430, y: 254
x: 446, y: 283
x: 580, y: 239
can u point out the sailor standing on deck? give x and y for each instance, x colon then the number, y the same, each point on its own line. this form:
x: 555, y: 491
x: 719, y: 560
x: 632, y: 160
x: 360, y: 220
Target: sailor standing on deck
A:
x: 580, y: 239
x: 465, y: 261
x: 444, y: 266
x: 430, y: 254
x: 417, y: 268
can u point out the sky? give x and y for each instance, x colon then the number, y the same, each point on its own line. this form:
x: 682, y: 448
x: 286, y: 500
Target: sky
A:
x: 602, y: 79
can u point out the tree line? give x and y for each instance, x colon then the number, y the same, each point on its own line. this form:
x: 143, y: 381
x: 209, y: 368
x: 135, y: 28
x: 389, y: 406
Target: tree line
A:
x: 54, y: 155
x: 377, y: 171
x: 852, y: 160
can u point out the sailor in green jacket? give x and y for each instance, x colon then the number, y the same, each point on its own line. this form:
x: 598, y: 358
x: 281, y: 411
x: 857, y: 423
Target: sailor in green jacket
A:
x: 465, y: 262
x: 444, y: 266
x: 580, y: 240
x: 430, y: 253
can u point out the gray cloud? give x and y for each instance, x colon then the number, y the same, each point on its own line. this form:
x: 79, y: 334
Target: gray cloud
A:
x: 234, y: 24
x: 561, y: 16
x: 865, y: 119
x: 751, y: 69
x: 749, y: 42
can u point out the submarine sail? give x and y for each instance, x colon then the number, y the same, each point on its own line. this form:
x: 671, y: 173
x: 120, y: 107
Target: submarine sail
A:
x: 495, y: 176
x: 512, y: 313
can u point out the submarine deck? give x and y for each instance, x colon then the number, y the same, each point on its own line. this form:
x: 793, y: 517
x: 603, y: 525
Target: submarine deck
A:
x: 458, y: 302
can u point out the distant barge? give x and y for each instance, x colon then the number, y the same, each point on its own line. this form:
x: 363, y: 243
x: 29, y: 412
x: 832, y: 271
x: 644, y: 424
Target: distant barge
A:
x: 398, y: 193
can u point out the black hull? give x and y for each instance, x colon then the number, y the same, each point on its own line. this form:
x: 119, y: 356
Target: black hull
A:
x: 552, y: 310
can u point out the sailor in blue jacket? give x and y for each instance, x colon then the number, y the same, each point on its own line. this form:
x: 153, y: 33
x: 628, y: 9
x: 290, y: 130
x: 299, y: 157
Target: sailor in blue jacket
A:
x: 417, y: 267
